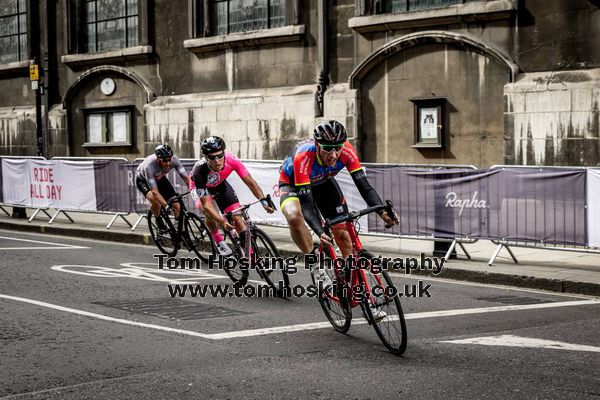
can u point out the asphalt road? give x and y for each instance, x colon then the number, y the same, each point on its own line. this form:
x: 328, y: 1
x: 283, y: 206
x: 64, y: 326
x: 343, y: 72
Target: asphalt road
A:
x: 87, y: 319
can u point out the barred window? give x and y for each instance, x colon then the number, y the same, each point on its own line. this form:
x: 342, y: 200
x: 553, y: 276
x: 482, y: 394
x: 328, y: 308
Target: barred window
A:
x: 13, y: 31
x: 392, y: 6
x: 110, y: 24
x: 229, y: 16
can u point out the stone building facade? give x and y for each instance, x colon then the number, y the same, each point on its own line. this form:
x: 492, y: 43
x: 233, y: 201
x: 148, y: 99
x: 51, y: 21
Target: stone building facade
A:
x: 478, y: 82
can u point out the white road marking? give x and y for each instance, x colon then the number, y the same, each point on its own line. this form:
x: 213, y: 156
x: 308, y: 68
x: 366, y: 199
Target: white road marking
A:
x: 517, y: 341
x: 43, y: 248
x: 103, y: 317
x: 61, y: 246
x: 299, y: 327
x: 135, y: 271
x: 429, y: 314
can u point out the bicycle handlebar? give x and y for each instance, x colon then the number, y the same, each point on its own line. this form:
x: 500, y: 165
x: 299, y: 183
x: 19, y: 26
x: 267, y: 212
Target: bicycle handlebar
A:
x: 177, y: 197
x: 241, y: 209
x: 388, y: 207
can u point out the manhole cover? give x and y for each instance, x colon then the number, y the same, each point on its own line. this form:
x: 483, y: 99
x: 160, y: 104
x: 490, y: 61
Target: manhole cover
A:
x: 172, y: 309
x: 512, y: 300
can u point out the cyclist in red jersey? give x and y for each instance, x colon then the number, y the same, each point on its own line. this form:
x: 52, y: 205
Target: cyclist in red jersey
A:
x: 209, y: 181
x: 307, y: 187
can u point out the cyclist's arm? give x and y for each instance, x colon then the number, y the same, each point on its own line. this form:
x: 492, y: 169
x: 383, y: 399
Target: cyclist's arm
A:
x: 253, y: 186
x: 308, y: 209
x: 181, y: 171
x: 365, y: 189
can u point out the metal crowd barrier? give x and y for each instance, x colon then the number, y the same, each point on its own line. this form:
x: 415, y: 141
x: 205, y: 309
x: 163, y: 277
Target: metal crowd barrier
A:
x: 541, y: 244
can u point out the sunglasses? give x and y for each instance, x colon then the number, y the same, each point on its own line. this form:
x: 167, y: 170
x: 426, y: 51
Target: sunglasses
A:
x: 165, y: 159
x: 330, y: 148
x: 215, y: 156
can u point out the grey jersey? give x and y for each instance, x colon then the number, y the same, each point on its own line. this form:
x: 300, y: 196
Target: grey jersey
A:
x: 151, y: 171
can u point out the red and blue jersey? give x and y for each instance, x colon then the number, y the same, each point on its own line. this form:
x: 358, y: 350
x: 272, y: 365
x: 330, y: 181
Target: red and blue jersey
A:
x: 303, y: 165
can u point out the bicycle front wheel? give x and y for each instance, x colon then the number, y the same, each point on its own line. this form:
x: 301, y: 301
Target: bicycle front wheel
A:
x: 275, y: 275
x: 165, y: 240
x: 334, y: 301
x: 198, y: 238
x: 383, y: 309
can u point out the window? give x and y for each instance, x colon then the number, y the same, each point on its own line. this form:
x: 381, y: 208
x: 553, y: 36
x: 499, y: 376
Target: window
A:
x: 13, y: 31
x: 109, y: 24
x: 417, y: 5
x: 108, y: 127
x: 230, y: 16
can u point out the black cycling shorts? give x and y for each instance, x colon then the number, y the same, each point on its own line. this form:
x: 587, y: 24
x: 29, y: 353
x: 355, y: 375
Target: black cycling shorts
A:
x: 164, y: 187
x: 224, y: 195
x: 328, y: 197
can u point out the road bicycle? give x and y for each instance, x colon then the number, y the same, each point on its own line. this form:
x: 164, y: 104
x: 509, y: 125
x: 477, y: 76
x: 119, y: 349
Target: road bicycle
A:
x: 255, y: 244
x: 188, y: 230
x: 361, y: 282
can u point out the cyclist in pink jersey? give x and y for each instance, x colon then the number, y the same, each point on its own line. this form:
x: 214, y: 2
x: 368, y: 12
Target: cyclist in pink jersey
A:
x: 209, y: 180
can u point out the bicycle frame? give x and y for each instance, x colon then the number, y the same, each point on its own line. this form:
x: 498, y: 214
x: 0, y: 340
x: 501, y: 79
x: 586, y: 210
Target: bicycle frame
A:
x: 354, y: 280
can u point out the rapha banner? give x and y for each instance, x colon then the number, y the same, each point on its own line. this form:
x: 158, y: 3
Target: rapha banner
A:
x: 593, y: 209
x: 444, y: 203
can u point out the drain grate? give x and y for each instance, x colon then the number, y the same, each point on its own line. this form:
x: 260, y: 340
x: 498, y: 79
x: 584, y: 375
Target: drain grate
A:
x: 514, y: 300
x: 176, y: 309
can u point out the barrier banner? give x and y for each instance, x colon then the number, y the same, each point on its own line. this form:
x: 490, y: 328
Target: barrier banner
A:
x: 593, y: 210
x: 15, y: 182
x: 445, y: 203
x: 66, y: 185
x: 538, y: 204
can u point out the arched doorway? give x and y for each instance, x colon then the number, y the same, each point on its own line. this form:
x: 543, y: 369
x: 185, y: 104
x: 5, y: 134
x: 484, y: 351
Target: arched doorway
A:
x: 105, y: 111
x: 469, y: 75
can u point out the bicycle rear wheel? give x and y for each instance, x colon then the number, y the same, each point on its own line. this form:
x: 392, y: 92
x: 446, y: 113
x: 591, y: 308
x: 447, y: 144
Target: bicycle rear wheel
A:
x: 390, y: 328
x: 276, y: 276
x: 232, y: 266
x: 164, y: 240
x: 197, y: 237
x: 334, y: 301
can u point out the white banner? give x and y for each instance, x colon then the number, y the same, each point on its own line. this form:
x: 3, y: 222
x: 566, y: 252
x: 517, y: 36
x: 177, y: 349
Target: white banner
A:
x: 267, y: 177
x: 593, y: 207
x: 15, y: 182
x: 65, y: 185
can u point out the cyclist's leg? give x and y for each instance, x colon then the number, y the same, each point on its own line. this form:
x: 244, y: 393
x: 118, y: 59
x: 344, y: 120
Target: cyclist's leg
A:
x: 331, y: 203
x: 289, y: 204
x: 228, y: 201
x: 166, y: 191
x: 142, y: 186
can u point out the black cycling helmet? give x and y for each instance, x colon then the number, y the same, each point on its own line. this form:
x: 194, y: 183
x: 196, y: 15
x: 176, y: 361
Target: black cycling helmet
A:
x: 163, y: 151
x: 330, y: 132
x: 212, y: 144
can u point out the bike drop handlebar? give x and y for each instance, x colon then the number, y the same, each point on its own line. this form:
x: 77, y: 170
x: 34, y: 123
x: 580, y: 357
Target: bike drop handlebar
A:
x: 241, y: 209
x: 388, y: 207
x: 177, y: 198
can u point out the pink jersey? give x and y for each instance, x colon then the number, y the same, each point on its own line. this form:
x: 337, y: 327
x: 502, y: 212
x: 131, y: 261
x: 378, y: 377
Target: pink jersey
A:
x: 203, y: 177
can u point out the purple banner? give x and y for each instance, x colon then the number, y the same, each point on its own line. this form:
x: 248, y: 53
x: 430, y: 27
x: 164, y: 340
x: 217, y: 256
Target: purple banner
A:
x: 516, y: 204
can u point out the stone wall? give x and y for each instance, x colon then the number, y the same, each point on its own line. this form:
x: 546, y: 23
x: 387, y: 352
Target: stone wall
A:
x: 256, y: 124
x: 553, y: 118
x: 17, y: 131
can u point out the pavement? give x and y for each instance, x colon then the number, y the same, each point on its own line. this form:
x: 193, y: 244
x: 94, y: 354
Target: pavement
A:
x: 539, y: 268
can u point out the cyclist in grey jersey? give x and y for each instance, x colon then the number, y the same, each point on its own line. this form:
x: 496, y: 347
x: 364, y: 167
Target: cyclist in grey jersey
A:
x: 151, y: 178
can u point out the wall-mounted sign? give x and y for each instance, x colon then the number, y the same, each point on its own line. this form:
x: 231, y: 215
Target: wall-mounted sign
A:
x: 34, y: 72
x: 429, y: 117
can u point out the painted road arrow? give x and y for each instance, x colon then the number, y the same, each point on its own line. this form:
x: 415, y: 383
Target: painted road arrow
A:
x: 517, y: 341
